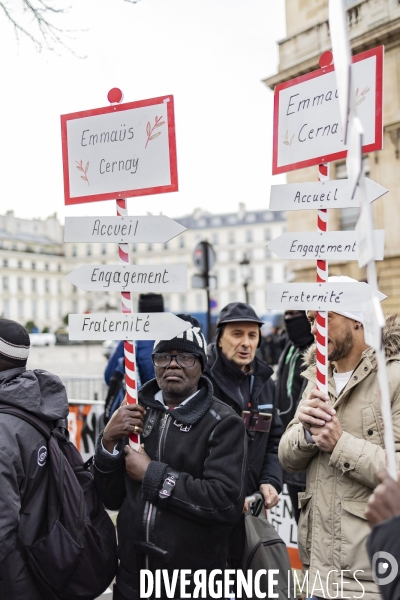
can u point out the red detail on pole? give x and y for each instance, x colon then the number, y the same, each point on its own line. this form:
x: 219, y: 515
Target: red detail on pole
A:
x: 326, y: 59
x: 115, y: 96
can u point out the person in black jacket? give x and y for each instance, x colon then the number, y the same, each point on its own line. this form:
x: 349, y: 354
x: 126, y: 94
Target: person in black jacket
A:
x: 180, y: 495
x: 383, y: 544
x: 23, y: 456
x: 290, y: 386
x: 244, y: 383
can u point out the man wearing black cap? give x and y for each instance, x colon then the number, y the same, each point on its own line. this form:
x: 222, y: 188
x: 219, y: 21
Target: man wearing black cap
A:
x: 179, y: 496
x: 23, y: 454
x: 244, y: 383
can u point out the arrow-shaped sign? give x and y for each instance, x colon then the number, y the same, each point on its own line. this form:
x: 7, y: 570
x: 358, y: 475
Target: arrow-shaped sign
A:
x: 123, y: 277
x: 321, y: 194
x: 335, y: 245
x: 121, y: 229
x: 122, y: 326
x: 318, y: 296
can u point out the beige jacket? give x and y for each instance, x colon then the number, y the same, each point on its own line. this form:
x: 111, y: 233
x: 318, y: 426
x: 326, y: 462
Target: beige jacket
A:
x: 332, y: 529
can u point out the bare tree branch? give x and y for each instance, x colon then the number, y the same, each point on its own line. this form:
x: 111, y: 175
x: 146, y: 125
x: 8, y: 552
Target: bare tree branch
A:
x: 42, y: 31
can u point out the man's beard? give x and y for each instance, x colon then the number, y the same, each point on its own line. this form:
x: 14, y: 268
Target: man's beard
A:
x: 342, y: 347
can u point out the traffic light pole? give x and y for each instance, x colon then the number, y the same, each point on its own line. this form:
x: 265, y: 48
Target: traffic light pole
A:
x: 207, y: 276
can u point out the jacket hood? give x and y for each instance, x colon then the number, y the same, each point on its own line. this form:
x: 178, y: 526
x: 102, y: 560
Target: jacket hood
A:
x: 38, y: 392
x: 391, y: 341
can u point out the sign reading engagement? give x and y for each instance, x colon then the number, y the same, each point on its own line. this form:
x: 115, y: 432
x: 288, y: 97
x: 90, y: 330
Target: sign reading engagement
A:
x: 119, y: 151
x: 307, y: 127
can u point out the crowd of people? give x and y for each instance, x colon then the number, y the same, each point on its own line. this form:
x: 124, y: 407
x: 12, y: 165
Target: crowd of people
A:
x: 217, y: 424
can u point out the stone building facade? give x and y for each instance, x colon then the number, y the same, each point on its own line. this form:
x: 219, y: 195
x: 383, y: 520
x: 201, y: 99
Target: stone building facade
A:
x: 371, y: 23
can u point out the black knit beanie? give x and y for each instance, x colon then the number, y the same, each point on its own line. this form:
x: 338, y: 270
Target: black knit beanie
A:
x: 191, y: 340
x: 150, y: 303
x: 14, y: 342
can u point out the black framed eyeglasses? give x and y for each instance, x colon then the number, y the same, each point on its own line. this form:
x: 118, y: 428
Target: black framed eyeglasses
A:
x: 184, y: 360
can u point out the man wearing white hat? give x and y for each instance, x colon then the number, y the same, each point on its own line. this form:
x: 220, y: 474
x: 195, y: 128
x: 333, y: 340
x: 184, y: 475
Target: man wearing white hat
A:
x: 338, y: 438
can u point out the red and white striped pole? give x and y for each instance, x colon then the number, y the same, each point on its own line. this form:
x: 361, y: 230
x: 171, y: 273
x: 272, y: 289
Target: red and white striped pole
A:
x: 115, y: 96
x: 322, y: 317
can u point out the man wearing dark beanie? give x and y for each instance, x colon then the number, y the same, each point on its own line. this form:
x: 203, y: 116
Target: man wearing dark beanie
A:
x: 23, y: 454
x: 180, y: 495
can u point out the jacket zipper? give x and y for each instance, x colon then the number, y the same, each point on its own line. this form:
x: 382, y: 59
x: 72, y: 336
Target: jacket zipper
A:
x: 151, y: 507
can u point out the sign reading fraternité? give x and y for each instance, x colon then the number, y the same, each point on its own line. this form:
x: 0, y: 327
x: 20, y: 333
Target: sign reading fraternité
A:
x: 119, y: 151
x: 125, y: 326
x: 307, y: 126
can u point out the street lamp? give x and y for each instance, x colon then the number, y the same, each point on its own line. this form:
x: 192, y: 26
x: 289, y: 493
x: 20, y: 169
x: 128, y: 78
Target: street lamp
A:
x: 245, y: 272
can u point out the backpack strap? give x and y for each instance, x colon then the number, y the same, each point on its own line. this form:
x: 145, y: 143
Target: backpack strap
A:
x: 37, y: 423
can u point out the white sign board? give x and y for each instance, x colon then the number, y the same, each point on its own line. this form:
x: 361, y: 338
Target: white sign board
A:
x: 307, y: 124
x: 366, y: 242
x: 122, y: 326
x: 119, y: 151
x: 133, y: 278
x: 121, y: 229
x: 373, y: 323
x: 341, y: 57
x: 318, y: 296
x: 321, y: 194
x: 334, y: 245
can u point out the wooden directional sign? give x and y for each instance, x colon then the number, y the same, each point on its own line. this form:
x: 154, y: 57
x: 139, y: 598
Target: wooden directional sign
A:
x: 334, y: 245
x: 320, y: 194
x: 119, y: 151
x: 133, y: 278
x: 125, y: 326
x: 318, y: 296
x: 307, y: 126
x: 121, y: 230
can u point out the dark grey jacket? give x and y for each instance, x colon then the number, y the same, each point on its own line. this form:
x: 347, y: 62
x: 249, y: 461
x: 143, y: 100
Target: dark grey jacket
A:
x: 23, y: 453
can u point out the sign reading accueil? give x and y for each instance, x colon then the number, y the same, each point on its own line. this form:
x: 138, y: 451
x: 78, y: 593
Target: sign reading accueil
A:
x: 119, y: 151
x: 307, y: 126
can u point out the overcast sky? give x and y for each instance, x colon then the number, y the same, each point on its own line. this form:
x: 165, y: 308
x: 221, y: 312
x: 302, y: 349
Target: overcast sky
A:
x: 210, y: 54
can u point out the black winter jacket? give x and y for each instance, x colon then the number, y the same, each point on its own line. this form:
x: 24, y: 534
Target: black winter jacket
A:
x: 263, y: 463
x: 205, y: 442
x: 22, y: 459
x: 384, y: 538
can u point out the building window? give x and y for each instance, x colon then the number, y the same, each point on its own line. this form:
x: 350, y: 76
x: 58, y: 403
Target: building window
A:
x: 58, y: 267
x: 5, y: 283
x: 267, y: 253
x: 181, y: 242
x: 251, y: 274
x: 165, y: 245
x: 46, y: 266
x: 104, y: 248
x: 34, y: 309
x: 133, y: 247
x: 89, y: 250
x: 231, y: 256
x: 33, y: 285
x: 268, y: 273
x: 249, y: 236
x: 47, y: 285
x: 60, y: 310
x: 231, y: 237
x: 20, y: 284
x: 182, y: 302
x: 149, y: 247
x: 59, y: 287
x: 267, y: 235
x: 6, y: 308
x: 214, y: 239
x: 232, y: 275
x: 5, y: 262
x: 20, y: 264
x: 199, y: 302
x: 20, y: 309
x: 73, y: 250
x: 33, y: 266
x: 47, y: 309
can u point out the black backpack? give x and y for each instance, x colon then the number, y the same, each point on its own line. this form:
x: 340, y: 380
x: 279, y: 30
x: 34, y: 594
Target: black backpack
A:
x: 265, y: 549
x: 76, y: 557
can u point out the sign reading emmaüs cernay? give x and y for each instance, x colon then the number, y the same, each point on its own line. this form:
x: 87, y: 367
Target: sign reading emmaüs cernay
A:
x: 119, y: 151
x: 307, y: 127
